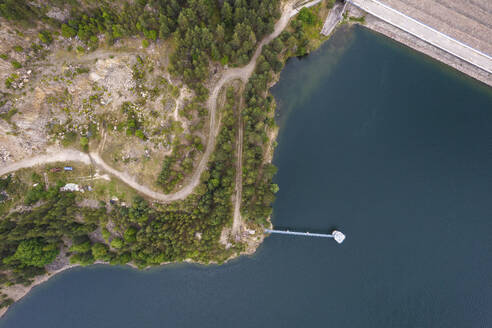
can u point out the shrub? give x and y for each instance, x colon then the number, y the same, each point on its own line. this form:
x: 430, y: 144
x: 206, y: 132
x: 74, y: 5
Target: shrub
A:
x: 81, y: 247
x: 16, y: 64
x: 117, y: 243
x: 307, y: 16
x: 35, y: 194
x: 151, y: 35
x: 10, y: 80
x: 82, y: 259
x: 6, y: 303
x: 45, y: 37
x: 81, y: 70
x: 100, y: 252
x: 140, y: 134
x: 84, y: 142
x: 80, y: 49
x: 67, y: 31
x: 105, y: 233
x: 130, y: 235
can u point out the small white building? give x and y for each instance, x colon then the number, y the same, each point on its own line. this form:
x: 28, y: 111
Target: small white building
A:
x: 71, y: 187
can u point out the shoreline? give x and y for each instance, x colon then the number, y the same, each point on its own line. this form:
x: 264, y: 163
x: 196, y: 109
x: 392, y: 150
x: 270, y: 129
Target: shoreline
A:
x: 17, y: 292
x: 20, y: 291
x: 377, y: 25
x: 253, y: 242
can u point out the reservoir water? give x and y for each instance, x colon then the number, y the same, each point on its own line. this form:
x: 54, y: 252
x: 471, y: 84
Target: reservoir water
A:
x: 377, y: 141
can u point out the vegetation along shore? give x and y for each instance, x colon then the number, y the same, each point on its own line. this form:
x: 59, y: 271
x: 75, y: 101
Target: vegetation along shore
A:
x: 165, y: 96
x: 142, y: 133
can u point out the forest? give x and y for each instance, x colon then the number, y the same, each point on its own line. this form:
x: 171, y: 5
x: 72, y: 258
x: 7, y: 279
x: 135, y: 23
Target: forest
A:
x: 145, y: 233
x: 258, y: 114
x: 203, y: 30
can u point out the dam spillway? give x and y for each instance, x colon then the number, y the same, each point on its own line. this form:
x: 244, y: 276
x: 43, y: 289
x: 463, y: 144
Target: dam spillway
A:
x: 337, y: 235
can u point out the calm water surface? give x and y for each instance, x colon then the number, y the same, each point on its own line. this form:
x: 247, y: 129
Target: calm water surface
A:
x: 376, y: 140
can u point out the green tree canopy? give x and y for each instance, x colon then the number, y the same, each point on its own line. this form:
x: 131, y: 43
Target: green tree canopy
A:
x: 36, y: 253
x: 117, y: 243
x: 100, y: 251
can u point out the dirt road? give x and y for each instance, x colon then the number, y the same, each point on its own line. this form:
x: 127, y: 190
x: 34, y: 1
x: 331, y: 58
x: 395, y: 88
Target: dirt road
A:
x: 66, y: 155
x: 242, y: 73
x: 237, y: 220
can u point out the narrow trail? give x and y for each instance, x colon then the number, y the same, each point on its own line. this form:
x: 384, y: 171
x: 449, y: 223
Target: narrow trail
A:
x: 242, y: 73
x: 237, y: 219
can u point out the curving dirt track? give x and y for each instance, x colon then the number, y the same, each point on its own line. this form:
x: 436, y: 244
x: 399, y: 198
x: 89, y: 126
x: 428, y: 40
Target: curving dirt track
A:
x: 242, y: 73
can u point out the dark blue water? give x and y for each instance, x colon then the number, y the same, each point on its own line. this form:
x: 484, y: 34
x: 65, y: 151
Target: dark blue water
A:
x: 376, y: 140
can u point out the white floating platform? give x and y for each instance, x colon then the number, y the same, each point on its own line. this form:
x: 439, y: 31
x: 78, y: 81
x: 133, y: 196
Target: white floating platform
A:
x: 338, y: 236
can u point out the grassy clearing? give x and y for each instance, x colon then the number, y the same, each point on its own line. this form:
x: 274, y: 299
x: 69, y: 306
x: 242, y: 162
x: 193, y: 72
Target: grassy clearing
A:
x: 144, y: 169
x: 105, y: 190
x: 83, y: 175
x: 306, y: 29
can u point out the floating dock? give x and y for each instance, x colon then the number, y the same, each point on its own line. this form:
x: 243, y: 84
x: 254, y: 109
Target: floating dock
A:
x: 337, y: 235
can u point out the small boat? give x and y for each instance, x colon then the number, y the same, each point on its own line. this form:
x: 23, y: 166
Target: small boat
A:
x: 338, y: 236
